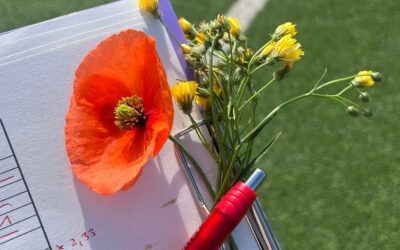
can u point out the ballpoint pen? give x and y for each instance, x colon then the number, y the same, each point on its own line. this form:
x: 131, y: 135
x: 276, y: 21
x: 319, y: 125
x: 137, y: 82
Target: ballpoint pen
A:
x: 226, y: 215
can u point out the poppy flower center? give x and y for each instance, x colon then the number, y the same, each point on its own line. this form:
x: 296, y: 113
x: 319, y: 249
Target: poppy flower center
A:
x: 129, y: 113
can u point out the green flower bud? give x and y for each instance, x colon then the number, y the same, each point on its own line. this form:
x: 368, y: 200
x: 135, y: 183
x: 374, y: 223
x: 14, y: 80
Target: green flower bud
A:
x: 242, y: 38
x: 223, y: 21
x: 353, y: 111
x: 377, y: 76
x: 364, y: 96
x: 280, y: 74
x: 225, y: 38
x: 240, y: 50
x: 215, y: 24
x: 198, y: 50
x: 368, y: 113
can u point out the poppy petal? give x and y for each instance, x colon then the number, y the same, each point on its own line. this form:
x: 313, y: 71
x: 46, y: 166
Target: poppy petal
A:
x: 105, y: 161
x: 103, y: 157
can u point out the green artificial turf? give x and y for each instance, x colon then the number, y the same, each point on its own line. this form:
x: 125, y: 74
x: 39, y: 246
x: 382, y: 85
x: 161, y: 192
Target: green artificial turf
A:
x: 18, y: 13
x: 332, y: 179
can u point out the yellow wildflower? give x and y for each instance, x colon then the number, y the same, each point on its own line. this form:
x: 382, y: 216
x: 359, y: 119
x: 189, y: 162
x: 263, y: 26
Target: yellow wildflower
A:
x: 268, y: 49
x: 184, y: 93
x: 186, y: 49
x: 216, y: 88
x: 203, y: 102
x: 287, y: 50
x: 248, y: 53
x: 364, y: 78
x: 185, y: 25
x: 200, y: 38
x: 150, y: 6
x: 234, y: 26
x: 287, y: 28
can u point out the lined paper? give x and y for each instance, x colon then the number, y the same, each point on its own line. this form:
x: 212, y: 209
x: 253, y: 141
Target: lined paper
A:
x: 49, y: 208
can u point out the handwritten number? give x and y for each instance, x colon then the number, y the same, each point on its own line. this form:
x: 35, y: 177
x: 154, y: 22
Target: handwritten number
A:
x: 85, y: 236
x: 73, y: 242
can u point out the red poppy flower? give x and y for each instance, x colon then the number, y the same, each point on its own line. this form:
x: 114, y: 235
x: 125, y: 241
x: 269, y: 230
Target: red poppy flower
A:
x: 123, y: 69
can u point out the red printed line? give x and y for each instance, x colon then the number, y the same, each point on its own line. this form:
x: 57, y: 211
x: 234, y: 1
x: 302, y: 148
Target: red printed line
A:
x: 7, y: 178
x: 5, y: 235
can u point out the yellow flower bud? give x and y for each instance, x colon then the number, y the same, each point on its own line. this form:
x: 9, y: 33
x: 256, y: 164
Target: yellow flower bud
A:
x: 364, y: 78
x: 185, y: 25
x: 200, y: 38
x: 203, y: 102
x: 248, y: 53
x: 234, y: 26
x: 268, y: 49
x: 150, y: 6
x: 216, y: 88
x: 287, y: 28
x: 186, y: 49
x: 184, y: 93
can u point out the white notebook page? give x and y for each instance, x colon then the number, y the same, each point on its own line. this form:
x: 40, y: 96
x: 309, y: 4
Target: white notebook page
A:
x: 45, y: 207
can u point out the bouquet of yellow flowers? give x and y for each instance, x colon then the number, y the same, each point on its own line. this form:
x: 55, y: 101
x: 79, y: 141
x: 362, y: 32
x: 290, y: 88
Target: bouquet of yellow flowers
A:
x: 224, y: 68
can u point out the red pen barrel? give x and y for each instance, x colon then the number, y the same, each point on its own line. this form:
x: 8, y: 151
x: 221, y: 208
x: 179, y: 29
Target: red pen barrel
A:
x: 223, y: 219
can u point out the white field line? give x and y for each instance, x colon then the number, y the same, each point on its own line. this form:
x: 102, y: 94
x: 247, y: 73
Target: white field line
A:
x: 245, y: 11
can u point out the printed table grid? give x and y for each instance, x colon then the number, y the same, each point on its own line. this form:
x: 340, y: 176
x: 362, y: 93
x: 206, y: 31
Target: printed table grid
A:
x: 19, y: 219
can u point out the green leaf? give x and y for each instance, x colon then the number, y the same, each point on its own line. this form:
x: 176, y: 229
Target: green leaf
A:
x: 263, y: 151
x: 254, y: 132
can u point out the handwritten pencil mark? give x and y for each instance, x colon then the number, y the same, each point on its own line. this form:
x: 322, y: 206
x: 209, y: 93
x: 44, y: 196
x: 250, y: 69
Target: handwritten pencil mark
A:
x: 7, y: 218
x: 8, y: 234
x: 169, y: 202
x: 7, y: 204
x: 6, y: 179
x: 22, y: 234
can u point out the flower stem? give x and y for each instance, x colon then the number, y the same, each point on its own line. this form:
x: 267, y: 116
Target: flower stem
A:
x: 258, y: 52
x: 242, y: 86
x: 335, y: 81
x: 257, y: 93
x: 195, y: 165
x: 227, y: 175
x: 202, y: 138
x: 261, y: 124
x: 259, y: 67
x: 169, y: 31
x: 344, y: 90
x: 218, y: 135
